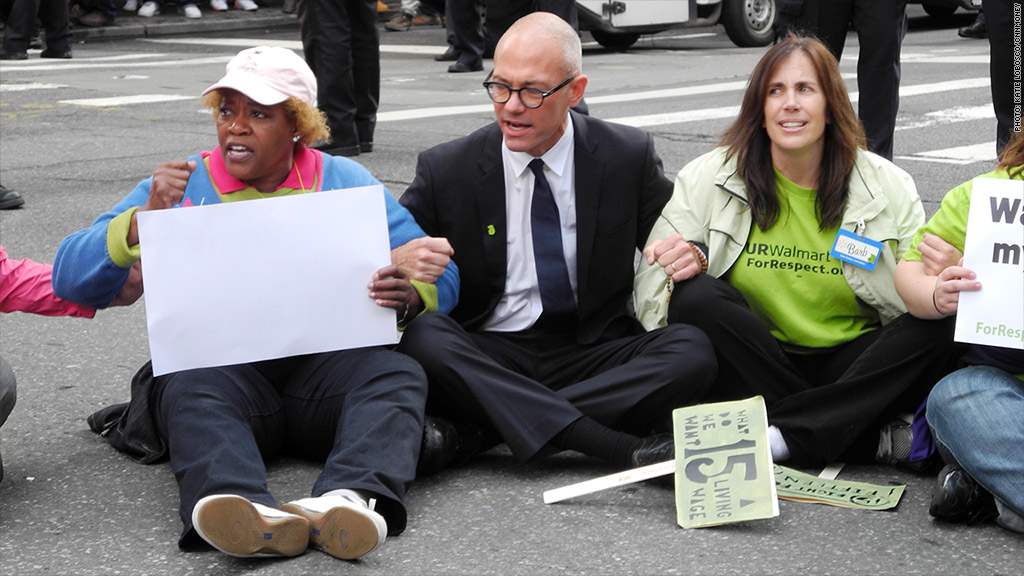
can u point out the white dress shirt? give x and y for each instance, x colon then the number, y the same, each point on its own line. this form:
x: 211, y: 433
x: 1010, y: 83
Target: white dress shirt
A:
x: 520, y: 306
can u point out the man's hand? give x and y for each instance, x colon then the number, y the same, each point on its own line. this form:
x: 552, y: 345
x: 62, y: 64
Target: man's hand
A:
x: 423, y: 259
x: 168, y: 188
x: 937, y: 254
x: 390, y: 288
x: 675, y: 255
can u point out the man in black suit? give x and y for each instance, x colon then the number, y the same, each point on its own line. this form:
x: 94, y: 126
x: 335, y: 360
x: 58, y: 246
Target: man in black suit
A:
x: 542, y: 348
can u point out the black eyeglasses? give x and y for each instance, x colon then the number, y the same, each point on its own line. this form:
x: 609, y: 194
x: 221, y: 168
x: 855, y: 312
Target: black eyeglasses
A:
x: 530, y: 97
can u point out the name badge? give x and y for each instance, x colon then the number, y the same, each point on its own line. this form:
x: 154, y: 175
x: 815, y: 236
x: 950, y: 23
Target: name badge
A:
x: 857, y: 250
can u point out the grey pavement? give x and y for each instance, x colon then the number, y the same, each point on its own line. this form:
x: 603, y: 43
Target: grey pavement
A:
x: 72, y: 505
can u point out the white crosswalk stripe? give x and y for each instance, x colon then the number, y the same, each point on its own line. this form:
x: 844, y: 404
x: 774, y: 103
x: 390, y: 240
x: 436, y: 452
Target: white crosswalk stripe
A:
x: 981, y: 152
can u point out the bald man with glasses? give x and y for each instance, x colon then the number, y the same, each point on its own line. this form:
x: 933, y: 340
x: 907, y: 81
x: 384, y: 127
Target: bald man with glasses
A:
x: 544, y: 212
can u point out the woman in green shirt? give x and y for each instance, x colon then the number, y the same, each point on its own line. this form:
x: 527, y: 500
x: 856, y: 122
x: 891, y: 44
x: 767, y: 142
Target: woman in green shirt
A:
x: 781, y: 245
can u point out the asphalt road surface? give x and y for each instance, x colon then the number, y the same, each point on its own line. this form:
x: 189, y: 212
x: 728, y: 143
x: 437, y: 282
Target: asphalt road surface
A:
x: 76, y: 136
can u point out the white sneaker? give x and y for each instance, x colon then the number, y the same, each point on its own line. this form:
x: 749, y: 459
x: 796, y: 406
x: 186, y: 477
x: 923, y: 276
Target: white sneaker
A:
x: 191, y: 11
x: 342, y: 526
x: 130, y: 5
x: 218, y: 5
x: 236, y: 526
x: 149, y: 9
x: 247, y: 5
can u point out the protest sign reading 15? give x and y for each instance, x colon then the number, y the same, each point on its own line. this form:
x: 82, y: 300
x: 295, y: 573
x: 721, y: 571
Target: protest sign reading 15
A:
x: 993, y: 249
x: 723, y: 465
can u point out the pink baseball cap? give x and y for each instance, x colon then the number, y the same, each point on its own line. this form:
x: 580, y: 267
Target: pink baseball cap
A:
x: 269, y: 75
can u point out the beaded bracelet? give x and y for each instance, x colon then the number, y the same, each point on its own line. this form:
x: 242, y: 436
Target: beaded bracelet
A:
x: 700, y: 257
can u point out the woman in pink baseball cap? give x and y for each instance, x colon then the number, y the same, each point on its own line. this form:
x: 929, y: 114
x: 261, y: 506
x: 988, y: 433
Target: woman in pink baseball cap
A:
x: 360, y: 411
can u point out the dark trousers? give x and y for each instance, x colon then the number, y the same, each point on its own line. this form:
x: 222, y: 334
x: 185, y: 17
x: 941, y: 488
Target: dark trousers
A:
x: 529, y: 386
x: 829, y: 404
x: 21, y: 22
x: 465, y: 22
x: 999, y: 22
x: 360, y: 410
x: 342, y: 46
x: 881, y: 26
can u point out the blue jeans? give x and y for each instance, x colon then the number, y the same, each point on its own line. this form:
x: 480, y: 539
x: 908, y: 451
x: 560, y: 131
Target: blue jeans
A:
x: 360, y: 411
x: 976, y: 415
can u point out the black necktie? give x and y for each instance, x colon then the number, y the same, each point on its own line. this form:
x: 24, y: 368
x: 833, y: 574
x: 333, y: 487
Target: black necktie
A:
x: 552, y: 274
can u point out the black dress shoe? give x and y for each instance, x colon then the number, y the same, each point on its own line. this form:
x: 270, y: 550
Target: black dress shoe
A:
x: 330, y: 148
x: 65, y: 55
x: 9, y: 199
x: 446, y: 444
x: 365, y: 147
x: 653, y: 450
x: 5, y: 55
x: 460, y: 67
x: 977, y: 29
x: 450, y: 55
x: 959, y: 498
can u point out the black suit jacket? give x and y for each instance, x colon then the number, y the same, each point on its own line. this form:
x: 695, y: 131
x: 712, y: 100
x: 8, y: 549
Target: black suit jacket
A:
x: 459, y: 194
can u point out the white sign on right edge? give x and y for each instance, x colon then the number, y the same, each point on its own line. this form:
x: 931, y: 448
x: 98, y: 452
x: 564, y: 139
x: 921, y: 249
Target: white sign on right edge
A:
x: 994, y: 249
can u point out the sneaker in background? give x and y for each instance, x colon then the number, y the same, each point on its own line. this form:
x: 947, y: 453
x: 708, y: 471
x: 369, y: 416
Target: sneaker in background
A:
x: 219, y: 5
x: 400, y: 22
x: 130, y: 5
x: 894, y: 442
x: 149, y: 9
x: 247, y: 5
x: 191, y: 11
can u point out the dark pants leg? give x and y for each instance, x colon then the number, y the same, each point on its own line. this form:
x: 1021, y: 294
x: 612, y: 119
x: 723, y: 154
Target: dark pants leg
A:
x: 466, y: 25
x: 822, y: 404
x: 530, y: 386
x: 893, y: 375
x: 364, y: 410
x: 54, y: 16
x: 220, y: 424
x: 342, y: 47
x: 365, y: 66
x: 20, y: 23
x: 881, y: 26
x: 999, y: 20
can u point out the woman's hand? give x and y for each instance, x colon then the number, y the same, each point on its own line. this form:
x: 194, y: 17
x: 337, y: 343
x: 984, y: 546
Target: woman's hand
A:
x: 132, y: 289
x: 167, y: 189
x: 390, y: 288
x: 948, y: 286
x: 675, y: 255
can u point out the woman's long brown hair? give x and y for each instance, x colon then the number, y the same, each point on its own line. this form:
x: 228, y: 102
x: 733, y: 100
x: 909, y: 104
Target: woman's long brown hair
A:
x: 748, y: 141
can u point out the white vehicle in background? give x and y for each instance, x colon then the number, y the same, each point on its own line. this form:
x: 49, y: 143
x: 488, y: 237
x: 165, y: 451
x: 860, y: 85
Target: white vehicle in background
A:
x: 619, y: 23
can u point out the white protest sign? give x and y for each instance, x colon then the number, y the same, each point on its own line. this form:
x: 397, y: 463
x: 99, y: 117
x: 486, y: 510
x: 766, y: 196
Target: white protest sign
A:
x: 993, y: 248
x: 277, y: 277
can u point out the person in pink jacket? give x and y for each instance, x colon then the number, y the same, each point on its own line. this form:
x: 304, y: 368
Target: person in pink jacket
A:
x: 25, y: 286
